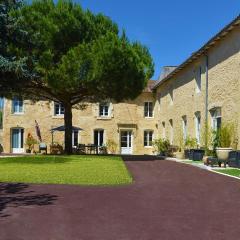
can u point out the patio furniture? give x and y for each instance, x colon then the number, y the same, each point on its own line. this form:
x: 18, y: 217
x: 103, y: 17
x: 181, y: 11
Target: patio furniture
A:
x: 81, y: 149
x: 42, y: 147
x: 92, y: 149
x: 56, y: 149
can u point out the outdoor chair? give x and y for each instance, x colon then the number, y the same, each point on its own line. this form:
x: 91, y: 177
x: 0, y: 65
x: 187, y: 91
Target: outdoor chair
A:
x: 42, y: 147
x: 81, y: 149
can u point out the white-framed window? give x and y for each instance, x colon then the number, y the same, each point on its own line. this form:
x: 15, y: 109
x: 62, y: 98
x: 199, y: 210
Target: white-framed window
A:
x: 164, y: 130
x: 171, y: 130
x: 17, y: 105
x: 98, y: 137
x: 104, y: 109
x: 198, y: 126
x: 216, y: 118
x: 148, y: 109
x: 75, y: 138
x: 58, y: 109
x: 198, y: 78
x: 184, y: 127
x: 148, y: 138
x: 171, y: 96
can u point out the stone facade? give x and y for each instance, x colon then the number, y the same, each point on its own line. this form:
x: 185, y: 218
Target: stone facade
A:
x: 206, y: 84
x: 181, y: 97
x: 123, y: 116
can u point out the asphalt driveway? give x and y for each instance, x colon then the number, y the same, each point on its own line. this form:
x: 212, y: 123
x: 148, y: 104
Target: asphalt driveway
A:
x: 167, y: 201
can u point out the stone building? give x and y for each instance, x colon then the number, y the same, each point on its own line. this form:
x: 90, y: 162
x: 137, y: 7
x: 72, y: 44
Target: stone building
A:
x: 132, y: 124
x: 204, y: 88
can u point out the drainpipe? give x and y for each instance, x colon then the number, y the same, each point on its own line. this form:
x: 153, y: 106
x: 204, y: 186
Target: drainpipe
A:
x: 206, y: 104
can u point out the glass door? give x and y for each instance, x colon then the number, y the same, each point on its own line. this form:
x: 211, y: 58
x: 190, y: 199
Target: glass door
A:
x: 17, y: 140
x: 126, y: 142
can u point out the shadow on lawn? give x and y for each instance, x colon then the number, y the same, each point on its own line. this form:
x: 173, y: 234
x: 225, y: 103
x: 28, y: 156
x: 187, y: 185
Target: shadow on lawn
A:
x: 14, y: 195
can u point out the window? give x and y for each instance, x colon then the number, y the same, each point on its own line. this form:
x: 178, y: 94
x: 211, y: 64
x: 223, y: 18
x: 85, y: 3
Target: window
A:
x: 58, y: 109
x: 216, y: 118
x: 98, y: 137
x: 75, y: 138
x: 164, y: 130
x: 184, y: 125
x: 198, y: 126
x: 148, y: 109
x: 17, y: 105
x: 171, y: 96
x: 171, y: 131
x: 103, y: 109
x: 198, y: 80
x: 148, y: 138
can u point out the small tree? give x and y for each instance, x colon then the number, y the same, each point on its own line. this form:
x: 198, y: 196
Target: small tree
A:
x: 75, y: 56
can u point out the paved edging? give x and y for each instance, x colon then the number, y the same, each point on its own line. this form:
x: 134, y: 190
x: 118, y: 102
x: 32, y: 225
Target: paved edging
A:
x: 207, y: 168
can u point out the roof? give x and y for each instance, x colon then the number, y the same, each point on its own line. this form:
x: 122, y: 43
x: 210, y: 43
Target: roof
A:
x: 202, y: 50
x: 149, y: 86
x: 62, y: 129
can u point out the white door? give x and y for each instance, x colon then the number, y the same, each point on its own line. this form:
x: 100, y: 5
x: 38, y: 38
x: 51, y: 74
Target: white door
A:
x: 126, y: 142
x: 17, y: 140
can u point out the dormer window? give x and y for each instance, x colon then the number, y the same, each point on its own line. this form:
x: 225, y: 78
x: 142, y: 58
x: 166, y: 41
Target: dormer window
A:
x: 104, y: 110
x: 148, y: 109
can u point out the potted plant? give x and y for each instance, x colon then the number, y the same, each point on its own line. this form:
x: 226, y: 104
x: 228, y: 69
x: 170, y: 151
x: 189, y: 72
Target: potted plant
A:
x: 30, y: 142
x: 161, y: 146
x: 180, y: 152
x: 224, y: 139
x: 189, y: 144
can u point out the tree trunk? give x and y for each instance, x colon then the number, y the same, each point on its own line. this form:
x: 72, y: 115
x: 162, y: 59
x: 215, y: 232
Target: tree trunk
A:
x: 68, y: 128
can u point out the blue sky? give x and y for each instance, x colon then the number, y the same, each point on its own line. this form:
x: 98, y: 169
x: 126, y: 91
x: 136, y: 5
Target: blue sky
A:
x: 172, y: 30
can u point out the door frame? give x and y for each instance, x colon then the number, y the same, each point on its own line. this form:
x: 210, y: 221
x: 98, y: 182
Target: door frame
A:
x: 120, y: 140
x: 14, y: 150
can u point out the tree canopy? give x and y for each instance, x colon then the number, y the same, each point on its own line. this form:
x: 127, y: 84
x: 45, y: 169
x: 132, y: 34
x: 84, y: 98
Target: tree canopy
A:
x: 74, y: 56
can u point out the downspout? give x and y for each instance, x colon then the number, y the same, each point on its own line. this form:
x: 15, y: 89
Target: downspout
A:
x: 206, y: 105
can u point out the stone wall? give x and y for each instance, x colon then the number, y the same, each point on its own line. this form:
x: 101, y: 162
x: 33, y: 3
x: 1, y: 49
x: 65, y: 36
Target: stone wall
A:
x: 224, y: 86
x: 128, y: 115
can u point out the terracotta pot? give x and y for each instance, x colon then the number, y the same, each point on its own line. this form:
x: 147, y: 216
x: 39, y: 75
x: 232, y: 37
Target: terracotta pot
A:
x: 223, y: 153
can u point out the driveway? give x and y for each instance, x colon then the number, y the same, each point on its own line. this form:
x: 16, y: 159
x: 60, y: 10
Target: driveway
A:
x: 167, y: 201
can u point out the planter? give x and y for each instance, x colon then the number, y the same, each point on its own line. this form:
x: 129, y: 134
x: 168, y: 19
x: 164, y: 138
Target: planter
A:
x: 223, y: 153
x: 234, y: 159
x: 180, y: 155
x: 186, y: 153
x: 196, y: 154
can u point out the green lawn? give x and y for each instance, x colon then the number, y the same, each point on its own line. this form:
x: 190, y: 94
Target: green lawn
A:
x: 83, y: 170
x: 232, y: 172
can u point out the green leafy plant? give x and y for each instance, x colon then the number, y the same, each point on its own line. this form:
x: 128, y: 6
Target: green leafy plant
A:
x: 161, y: 145
x: 207, y: 139
x: 111, y: 146
x: 190, y: 143
x: 225, y: 136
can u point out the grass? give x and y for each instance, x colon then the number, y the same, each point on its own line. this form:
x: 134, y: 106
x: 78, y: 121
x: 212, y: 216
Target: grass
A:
x: 231, y: 172
x: 82, y: 170
x: 191, y: 161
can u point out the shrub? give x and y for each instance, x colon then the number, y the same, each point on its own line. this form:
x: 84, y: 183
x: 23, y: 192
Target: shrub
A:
x: 30, y: 141
x: 161, y: 145
x: 190, y: 142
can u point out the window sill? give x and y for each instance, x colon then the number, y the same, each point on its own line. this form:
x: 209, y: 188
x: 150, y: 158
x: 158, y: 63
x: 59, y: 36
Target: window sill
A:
x: 18, y: 114
x: 104, y: 118
x: 149, y: 117
x: 58, y: 116
x: 148, y: 146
